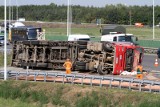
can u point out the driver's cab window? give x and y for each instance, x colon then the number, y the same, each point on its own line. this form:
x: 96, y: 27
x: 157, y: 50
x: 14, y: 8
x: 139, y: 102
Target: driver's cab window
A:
x: 115, y: 39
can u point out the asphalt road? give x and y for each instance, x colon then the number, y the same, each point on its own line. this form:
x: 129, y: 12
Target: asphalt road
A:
x: 148, y: 63
x: 9, y: 48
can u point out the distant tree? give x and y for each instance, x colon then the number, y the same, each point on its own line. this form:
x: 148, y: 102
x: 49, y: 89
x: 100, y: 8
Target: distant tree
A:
x: 110, y: 14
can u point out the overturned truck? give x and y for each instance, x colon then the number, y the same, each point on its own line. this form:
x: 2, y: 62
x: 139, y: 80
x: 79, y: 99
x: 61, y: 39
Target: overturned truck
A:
x: 101, y: 57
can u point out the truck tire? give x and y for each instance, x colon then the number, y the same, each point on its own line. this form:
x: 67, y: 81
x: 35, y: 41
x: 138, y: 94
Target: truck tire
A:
x: 107, y: 46
x: 78, y: 63
x: 100, y: 70
x: 80, y: 68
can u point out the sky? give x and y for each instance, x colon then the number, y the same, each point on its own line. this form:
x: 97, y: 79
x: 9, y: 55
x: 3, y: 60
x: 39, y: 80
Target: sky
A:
x: 95, y: 3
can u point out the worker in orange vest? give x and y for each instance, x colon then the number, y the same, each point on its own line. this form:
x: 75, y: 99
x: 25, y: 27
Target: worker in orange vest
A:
x: 139, y: 71
x: 68, y: 66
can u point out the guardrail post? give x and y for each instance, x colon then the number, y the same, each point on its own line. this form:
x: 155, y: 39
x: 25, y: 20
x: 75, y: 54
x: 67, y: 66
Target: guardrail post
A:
x: 35, y: 76
x: 101, y: 82
x: 73, y: 79
x: 45, y: 76
x: 27, y: 76
x: 150, y: 88
x: 64, y: 76
x: 8, y: 74
x: 120, y: 83
x: 82, y: 80
x: 55, y: 78
x: 130, y: 85
x: 110, y: 83
x: 17, y: 74
x: 140, y: 88
x: 91, y: 81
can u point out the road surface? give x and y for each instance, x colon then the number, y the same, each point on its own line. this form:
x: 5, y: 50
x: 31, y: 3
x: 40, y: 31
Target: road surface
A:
x: 148, y: 63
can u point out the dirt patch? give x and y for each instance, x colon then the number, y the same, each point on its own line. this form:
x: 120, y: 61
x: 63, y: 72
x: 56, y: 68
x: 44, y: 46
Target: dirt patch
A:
x: 58, y: 25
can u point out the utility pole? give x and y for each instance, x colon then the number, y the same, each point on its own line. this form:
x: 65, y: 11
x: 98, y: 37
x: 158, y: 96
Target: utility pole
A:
x: 5, y: 39
x: 130, y: 17
x: 17, y: 9
x: 153, y: 22
x: 68, y: 18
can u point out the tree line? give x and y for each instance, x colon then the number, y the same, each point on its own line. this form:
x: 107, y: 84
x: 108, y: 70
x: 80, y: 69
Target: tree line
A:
x: 110, y: 14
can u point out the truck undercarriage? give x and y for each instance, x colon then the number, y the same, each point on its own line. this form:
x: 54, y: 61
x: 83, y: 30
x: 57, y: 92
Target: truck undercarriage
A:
x: 102, y: 57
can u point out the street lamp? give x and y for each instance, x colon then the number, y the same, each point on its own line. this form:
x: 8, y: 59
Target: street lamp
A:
x: 17, y: 9
x: 153, y: 21
x: 68, y: 18
x: 5, y: 46
x: 130, y: 16
x: 68, y: 3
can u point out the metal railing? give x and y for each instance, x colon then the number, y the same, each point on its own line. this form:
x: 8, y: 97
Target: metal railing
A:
x: 107, y: 81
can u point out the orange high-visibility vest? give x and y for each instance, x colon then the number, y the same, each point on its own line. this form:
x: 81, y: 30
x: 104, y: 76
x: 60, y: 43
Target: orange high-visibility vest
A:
x: 68, y: 65
x: 139, y: 69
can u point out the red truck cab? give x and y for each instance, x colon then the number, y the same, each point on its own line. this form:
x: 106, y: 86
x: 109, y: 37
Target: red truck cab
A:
x: 127, y: 57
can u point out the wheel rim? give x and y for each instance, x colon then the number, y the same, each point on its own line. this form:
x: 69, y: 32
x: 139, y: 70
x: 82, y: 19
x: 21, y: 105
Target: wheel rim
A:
x: 101, y: 69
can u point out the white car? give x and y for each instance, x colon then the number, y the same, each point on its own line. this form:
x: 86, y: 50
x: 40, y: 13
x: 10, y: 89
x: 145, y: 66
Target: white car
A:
x: 119, y: 38
x: 78, y: 37
x: 2, y: 40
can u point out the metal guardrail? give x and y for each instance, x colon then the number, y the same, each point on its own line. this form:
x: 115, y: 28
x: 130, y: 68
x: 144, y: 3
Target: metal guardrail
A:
x: 149, y: 50
x: 111, y: 79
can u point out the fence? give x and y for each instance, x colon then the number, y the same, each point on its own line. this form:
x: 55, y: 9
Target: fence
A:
x: 108, y: 81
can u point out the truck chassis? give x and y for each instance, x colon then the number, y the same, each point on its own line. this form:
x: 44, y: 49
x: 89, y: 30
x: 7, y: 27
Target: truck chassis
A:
x: 102, y: 57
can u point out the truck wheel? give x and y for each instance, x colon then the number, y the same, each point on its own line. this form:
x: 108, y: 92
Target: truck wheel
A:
x: 101, y: 70
x: 107, y: 46
x: 80, y: 68
x: 80, y: 63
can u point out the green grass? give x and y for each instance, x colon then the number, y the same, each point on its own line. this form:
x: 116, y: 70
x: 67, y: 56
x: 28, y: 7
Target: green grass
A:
x: 141, y: 33
x: 2, y: 59
x: 63, y: 31
x: 145, y: 34
x: 40, y: 94
x: 14, y: 103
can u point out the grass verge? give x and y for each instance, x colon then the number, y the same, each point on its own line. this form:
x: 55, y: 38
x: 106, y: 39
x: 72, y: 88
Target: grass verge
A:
x: 2, y: 59
x: 65, y: 95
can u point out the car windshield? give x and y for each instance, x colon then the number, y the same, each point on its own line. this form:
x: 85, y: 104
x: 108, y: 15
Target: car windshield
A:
x: 1, y: 37
x: 87, y: 39
x: 32, y: 33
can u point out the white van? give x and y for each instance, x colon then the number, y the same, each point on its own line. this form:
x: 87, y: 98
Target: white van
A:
x: 77, y: 37
x: 119, y: 38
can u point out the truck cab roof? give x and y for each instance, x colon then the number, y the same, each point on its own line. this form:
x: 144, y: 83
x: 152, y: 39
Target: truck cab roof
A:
x: 118, y: 38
